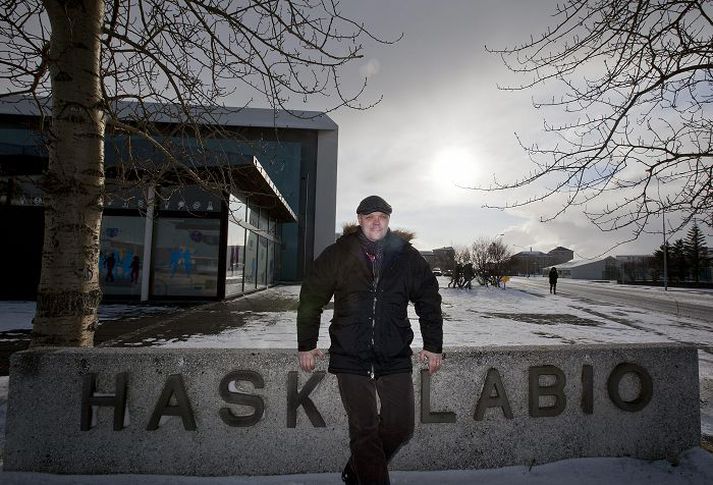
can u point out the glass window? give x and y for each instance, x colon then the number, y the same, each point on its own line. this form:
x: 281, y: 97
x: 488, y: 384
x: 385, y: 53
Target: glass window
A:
x: 277, y: 261
x: 254, y: 217
x: 270, y: 263
x: 235, y: 259
x: 120, y: 197
x: 185, y: 258
x: 264, y: 225
x: 237, y: 209
x: 251, y: 261
x: 188, y: 198
x: 262, y: 263
x: 121, y: 250
x: 235, y: 255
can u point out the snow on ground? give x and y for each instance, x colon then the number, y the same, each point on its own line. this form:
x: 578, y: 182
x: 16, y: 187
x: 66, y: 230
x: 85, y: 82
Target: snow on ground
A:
x: 481, y: 316
x: 18, y: 315
x: 695, y: 468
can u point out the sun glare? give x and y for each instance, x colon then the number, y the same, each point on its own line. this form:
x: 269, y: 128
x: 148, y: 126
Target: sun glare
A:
x: 454, y: 167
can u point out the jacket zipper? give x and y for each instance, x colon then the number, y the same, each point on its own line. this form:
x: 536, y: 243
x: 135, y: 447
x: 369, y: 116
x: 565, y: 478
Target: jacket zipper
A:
x: 375, y: 285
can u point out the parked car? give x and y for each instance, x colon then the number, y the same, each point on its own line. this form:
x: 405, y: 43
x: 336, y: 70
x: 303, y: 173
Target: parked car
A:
x: 437, y: 271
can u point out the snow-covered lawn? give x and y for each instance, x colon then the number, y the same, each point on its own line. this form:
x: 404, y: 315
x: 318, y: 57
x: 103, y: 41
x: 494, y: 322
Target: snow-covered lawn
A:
x: 481, y: 316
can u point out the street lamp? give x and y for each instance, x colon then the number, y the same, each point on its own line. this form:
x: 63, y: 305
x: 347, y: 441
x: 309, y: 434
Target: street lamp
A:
x: 665, y: 250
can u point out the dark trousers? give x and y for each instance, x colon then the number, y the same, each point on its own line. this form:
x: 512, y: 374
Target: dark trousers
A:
x: 553, y: 287
x: 376, y: 435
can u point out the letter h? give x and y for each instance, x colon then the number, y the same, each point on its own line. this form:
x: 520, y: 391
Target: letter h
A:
x: 117, y: 401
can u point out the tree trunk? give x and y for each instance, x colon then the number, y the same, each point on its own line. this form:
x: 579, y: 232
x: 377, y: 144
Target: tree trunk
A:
x: 69, y: 292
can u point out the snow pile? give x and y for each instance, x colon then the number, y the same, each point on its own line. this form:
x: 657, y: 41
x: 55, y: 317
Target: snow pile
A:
x: 481, y: 316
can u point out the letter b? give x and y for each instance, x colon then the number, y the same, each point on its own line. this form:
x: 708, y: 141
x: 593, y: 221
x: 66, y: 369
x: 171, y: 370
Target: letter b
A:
x: 555, y: 390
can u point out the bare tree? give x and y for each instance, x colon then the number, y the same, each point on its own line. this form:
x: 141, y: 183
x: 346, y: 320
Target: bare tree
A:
x: 631, y: 120
x: 463, y: 254
x: 499, y: 257
x: 490, y: 258
x: 125, y: 65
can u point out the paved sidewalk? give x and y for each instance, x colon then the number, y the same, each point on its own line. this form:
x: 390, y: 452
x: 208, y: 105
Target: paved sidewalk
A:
x: 206, y: 319
x: 176, y: 324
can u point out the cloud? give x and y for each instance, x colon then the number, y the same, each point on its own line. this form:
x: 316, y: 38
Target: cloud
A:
x: 370, y: 69
x: 443, y: 122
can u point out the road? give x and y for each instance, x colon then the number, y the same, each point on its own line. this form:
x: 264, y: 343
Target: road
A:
x: 688, y: 303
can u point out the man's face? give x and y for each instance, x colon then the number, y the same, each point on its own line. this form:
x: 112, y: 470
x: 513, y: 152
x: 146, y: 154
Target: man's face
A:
x: 374, y: 225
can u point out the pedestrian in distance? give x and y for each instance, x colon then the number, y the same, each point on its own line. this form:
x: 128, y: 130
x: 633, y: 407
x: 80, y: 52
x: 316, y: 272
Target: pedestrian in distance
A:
x: 110, y: 262
x: 468, y: 275
x: 456, y: 276
x: 135, y: 267
x: 553, y: 280
x: 372, y: 274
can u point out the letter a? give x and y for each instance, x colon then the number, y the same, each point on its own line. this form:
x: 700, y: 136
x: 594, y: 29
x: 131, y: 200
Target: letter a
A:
x: 493, y: 396
x: 174, y: 387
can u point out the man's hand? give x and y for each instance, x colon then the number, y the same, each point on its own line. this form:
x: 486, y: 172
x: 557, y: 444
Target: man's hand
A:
x: 308, y: 359
x: 434, y: 360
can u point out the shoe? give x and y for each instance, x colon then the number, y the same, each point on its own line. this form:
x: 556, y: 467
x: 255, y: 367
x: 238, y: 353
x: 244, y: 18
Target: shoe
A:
x: 348, y: 475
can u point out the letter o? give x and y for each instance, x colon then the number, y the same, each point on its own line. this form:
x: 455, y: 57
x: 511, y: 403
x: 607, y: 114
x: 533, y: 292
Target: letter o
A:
x: 645, y: 393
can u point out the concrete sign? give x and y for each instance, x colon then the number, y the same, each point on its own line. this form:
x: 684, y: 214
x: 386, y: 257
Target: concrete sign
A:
x: 251, y: 412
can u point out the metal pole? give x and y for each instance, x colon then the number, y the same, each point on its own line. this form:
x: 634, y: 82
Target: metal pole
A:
x: 665, y: 252
x: 148, y: 243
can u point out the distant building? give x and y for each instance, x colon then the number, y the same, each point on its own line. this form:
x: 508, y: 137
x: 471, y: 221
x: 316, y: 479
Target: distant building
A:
x: 603, y: 269
x: 560, y: 255
x: 528, y: 262
x: 430, y: 258
x: 532, y: 262
x: 444, y: 258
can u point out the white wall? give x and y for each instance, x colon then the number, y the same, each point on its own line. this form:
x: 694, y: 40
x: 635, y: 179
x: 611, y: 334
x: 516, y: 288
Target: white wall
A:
x: 325, y: 202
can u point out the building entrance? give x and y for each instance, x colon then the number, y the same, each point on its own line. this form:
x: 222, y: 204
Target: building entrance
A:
x: 20, y: 251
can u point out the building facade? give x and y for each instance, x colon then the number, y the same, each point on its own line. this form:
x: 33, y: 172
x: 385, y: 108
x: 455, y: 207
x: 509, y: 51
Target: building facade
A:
x: 603, y: 269
x: 444, y: 258
x: 531, y: 262
x: 176, y: 240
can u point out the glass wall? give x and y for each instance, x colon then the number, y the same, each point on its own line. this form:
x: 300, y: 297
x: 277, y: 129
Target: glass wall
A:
x: 251, y: 261
x: 271, y: 262
x: 185, y: 257
x: 121, y: 250
x: 253, y: 248
x: 235, y: 255
x: 262, y: 263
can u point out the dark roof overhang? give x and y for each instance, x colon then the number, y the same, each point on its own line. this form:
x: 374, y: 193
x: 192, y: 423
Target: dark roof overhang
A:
x: 253, y: 185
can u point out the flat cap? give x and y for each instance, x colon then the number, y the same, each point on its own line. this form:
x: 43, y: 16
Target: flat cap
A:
x: 373, y: 203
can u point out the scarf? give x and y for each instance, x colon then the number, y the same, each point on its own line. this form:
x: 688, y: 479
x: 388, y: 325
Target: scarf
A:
x: 374, y: 252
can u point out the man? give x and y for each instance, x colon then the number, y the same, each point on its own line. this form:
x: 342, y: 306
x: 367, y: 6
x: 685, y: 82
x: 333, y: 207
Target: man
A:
x: 553, y: 280
x: 372, y: 274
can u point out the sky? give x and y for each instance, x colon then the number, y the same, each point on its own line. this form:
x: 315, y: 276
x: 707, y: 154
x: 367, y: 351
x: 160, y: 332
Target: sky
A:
x: 603, y: 323
x: 443, y: 123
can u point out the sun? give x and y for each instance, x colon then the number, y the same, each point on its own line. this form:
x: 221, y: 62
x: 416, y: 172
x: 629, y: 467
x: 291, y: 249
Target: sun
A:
x: 454, y: 167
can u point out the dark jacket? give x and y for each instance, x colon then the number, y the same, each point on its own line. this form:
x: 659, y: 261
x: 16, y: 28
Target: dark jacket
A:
x: 553, y: 275
x: 370, y: 331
